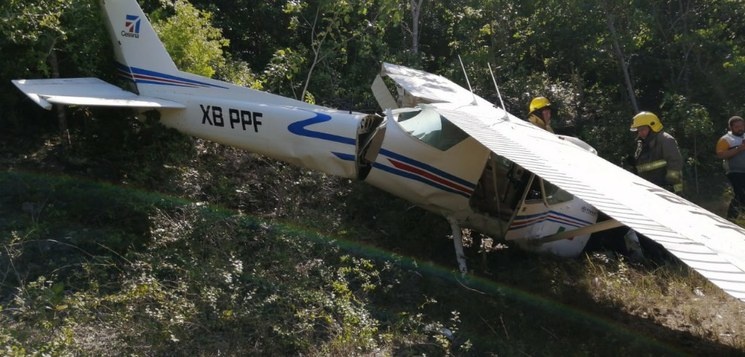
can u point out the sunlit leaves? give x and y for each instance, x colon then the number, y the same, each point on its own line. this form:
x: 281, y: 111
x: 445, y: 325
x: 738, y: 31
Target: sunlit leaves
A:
x: 30, y: 31
x: 692, y: 117
x: 325, y: 34
x: 195, y: 45
x: 26, y: 21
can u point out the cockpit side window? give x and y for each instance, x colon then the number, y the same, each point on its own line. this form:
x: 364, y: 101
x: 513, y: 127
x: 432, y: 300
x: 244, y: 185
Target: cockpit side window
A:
x: 432, y: 128
x: 554, y: 194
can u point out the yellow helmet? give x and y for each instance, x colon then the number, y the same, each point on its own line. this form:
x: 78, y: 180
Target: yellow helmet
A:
x: 648, y: 119
x: 538, y: 103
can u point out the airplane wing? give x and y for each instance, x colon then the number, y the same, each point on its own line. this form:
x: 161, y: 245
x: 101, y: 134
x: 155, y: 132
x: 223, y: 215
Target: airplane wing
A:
x: 430, y: 87
x: 86, y: 91
x: 704, y: 241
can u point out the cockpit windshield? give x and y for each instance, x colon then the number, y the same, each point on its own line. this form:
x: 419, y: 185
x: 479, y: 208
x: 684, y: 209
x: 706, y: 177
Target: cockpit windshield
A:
x: 431, y: 128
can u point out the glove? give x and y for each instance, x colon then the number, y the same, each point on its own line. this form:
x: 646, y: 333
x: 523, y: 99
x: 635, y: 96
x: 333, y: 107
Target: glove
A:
x: 674, y: 178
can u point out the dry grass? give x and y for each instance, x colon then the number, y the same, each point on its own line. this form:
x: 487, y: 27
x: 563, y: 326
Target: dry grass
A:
x: 323, y: 267
x: 670, y: 295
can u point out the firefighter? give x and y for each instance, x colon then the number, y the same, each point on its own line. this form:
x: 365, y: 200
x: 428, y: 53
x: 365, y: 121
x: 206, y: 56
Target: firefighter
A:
x: 539, y: 113
x: 657, y: 157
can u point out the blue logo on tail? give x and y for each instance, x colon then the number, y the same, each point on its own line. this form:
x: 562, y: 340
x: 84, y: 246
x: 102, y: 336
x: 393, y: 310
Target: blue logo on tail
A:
x: 132, y: 26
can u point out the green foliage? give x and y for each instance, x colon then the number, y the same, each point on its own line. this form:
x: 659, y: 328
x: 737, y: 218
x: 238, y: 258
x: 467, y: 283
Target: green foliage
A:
x: 239, y: 73
x: 693, y: 118
x: 39, y: 38
x: 202, y: 280
x: 30, y: 31
x: 562, y: 49
x: 282, y: 72
x: 144, y: 153
x: 195, y: 45
x: 334, y: 42
x: 693, y: 129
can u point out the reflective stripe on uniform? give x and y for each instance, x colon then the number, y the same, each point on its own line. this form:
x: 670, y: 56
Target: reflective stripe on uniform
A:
x: 673, y: 176
x: 654, y: 165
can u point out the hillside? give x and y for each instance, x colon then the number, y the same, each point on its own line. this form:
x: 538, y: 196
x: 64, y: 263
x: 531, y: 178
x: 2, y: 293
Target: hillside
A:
x: 122, y: 238
x: 159, y: 244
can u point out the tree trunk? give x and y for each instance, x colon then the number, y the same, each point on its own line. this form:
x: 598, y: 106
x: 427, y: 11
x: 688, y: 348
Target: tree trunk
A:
x: 695, y: 165
x: 61, y: 116
x: 416, y: 10
x: 621, y: 60
x: 315, y: 45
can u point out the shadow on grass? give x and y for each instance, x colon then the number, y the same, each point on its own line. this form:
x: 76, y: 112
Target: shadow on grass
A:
x: 518, y: 303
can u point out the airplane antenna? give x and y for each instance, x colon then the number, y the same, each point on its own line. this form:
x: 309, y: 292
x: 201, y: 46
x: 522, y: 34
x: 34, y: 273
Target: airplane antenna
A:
x: 494, y: 79
x: 467, y: 81
x: 501, y: 102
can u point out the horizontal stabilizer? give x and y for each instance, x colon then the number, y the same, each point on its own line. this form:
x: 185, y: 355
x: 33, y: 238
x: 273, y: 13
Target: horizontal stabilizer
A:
x: 88, y: 92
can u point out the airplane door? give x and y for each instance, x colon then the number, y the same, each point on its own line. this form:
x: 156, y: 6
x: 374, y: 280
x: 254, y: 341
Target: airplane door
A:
x: 500, y: 190
x: 546, y: 210
x: 424, y: 158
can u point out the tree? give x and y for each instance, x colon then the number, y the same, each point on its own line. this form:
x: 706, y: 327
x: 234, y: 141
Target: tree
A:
x: 45, y: 38
x: 696, y: 124
x: 191, y: 40
x: 415, y: 7
x: 610, y: 19
x: 30, y: 32
x: 329, y: 31
x: 256, y: 29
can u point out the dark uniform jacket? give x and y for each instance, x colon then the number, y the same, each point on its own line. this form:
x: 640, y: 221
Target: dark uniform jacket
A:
x: 658, y: 160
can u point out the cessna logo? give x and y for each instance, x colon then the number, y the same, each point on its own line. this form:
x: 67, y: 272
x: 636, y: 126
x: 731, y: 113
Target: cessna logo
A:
x: 131, y: 27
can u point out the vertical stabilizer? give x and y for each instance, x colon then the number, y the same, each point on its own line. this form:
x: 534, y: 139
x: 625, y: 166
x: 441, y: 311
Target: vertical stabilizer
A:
x: 136, y: 44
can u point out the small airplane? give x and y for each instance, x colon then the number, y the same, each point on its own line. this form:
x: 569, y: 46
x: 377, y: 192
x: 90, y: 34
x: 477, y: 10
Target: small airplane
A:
x: 437, y: 145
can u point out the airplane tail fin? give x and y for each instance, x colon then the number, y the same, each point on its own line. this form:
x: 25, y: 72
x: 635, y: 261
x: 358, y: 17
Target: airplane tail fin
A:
x: 140, y: 54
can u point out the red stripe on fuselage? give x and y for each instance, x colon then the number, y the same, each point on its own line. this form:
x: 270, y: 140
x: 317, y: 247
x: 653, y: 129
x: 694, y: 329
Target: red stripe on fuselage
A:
x: 430, y: 176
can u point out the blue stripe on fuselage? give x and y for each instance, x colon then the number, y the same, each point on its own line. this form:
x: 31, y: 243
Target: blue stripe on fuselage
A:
x: 299, y: 128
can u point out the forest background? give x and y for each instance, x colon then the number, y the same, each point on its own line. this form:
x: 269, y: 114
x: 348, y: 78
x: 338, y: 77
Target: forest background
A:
x: 599, y: 62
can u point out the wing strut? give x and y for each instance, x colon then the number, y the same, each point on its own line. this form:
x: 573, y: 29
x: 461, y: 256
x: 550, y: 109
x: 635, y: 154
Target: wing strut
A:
x: 458, y: 243
x: 597, y: 227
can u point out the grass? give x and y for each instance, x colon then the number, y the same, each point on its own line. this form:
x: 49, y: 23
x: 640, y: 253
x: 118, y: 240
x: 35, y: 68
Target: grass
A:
x: 223, y: 252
